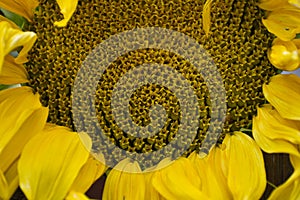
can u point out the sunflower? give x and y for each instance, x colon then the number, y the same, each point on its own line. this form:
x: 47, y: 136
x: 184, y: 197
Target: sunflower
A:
x: 46, y: 54
x: 276, y: 126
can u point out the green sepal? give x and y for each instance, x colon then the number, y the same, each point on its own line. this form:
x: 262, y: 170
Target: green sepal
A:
x: 17, y: 19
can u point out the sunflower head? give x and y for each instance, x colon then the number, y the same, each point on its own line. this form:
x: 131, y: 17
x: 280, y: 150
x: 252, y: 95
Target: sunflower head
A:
x: 237, y: 43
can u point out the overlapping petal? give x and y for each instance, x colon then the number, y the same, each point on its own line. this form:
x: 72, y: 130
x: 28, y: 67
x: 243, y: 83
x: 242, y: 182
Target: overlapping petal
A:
x: 284, y: 22
x: 233, y: 171
x: 11, y: 38
x: 16, y: 105
x: 125, y: 182
x: 31, y: 126
x: 240, y: 165
x: 150, y: 190
x: 9, y: 181
x: 88, y: 174
x: 275, y: 134
x: 67, y: 8
x: 22, y: 116
x: 272, y: 4
x: 179, y: 180
x: 21, y: 7
x: 283, y: 92
x: 245, y: 166
x: 212, y: 185
x: 12, y: 73
x: 285, y: 55
x: 219, y: 166
x: 50, y: 162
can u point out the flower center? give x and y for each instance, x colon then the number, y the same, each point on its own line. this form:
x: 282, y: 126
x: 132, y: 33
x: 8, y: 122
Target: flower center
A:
x: 237, y: 43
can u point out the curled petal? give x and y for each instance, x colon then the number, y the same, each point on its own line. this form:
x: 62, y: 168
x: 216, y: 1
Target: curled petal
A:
x: 206, y: 16
x: 284, y: 55
x: 50, y: 162
x: 125, y: 182
x: 272, y: 126
x: 284, y: 23
x: 67, y: 8
x: 20, y: 7
x: 295, y: 161
x: 290, y: 189
x: 275, y: 146
x: 13, y: 38
x: 245, y: 164
x: 283, y: 92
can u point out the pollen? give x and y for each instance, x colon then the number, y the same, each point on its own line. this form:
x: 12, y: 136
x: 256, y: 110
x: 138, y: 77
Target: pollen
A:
x: 237, y: 42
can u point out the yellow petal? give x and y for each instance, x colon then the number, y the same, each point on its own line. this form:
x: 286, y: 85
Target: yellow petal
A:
x: 210, y: 181
x: 219, y: 166
x: 284, y: 55
x: 9, y: 181
x: 67, y: 8
x: 50, y: 163
x: 295, y: 3
x: 32, y: 125
x: 22, y: 116
x: 206, y: 16
x: 272, y: 4
x: 13, y: 38
x: 76, y: 196
x: 86, y: 140
x: 284, y: 23
x: 290, y: 189
x: 3, y: 186
x: 16, y: 105
x: 20, y: 7
x: 179, y: 180
x: 150, y: 191
x: 149, y: 173
x: 88, y: 174
x: 295, y: 161
x: 12, y: 73
x: 275, y: 134
x: 283, y: 92
x: 245, y: 164
x: 125, y: 183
